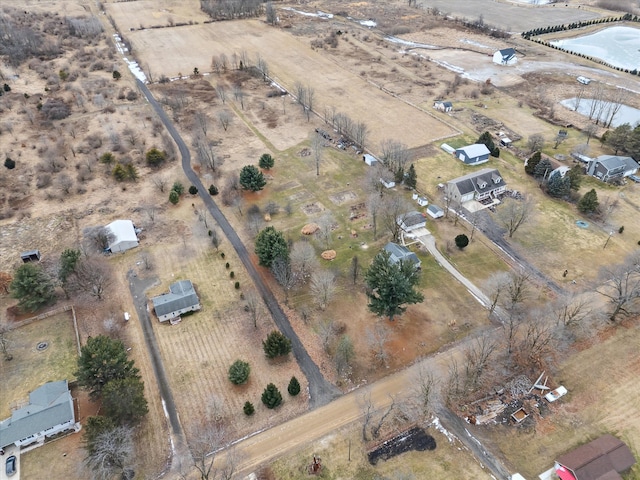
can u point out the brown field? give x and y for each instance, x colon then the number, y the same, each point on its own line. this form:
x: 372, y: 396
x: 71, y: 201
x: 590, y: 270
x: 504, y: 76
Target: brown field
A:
x: 142, y: 14
x: 289, y: 60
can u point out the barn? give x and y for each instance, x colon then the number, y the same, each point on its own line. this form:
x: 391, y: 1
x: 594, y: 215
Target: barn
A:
x: 122, y: 236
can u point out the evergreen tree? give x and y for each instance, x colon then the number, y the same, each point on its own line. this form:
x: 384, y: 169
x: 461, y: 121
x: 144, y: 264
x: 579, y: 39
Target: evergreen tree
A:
x: 294, y: 387
x: 155, y: 157
x: 271, y: 244
x: 411, y: 181
x: 239, y: 372
x: 618, y: 137
x: 542, y: 169
x: 266, y: 161
x: 559, y: 186
x: 123, y: 400
x: 174, y: 197
x: 32, y: 287
x: 488, y: 141
x: 251, y: 178
x: 271, y: 396
x: 248, y: 408
x: 101, y: 361
x: 589, y: 202
x: 461, y: 241
x: 391, y: 285
x: 68, y: 262
x: 532, y: 163
x: 575, y: 177
x: 276, y: 344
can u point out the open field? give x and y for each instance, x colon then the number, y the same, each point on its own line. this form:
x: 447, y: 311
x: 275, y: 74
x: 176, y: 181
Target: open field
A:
x: 30, y: 367
x: 343, y: 456
x: 142, y: 14
x: 600, y: 400
x: 289, y: 61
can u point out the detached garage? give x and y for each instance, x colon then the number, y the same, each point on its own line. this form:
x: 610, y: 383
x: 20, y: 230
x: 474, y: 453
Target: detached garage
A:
x: 123, y: 236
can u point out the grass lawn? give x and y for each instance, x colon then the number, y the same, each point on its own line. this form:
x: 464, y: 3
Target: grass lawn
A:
x: 31, y: 368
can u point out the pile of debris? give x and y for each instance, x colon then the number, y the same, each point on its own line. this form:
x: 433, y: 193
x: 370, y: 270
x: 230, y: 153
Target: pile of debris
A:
x: 513, y: 403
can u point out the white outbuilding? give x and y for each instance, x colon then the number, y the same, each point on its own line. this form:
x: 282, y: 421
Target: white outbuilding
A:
x: 506, y: 56
x: 123, y: 236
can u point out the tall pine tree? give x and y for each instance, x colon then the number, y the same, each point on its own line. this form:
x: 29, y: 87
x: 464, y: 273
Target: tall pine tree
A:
x: 412, y: 178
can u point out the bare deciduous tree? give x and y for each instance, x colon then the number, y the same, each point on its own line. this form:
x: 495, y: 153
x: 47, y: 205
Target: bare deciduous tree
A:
x: 326, y: 332
x: 207, y: 440
x: 92, y: 276
x: 621, y: 287
x: 367, y: 409
x: 224, y: 117
x: 4, y: 341
x: 201, y: 122
x: 323, y: 287
x: 253, y: 306
x: 221, y: 90
x: 317, y: 149
x: 65, y: 183
x: 238, y: 94
x: 477, y: 358
x: 512, y: 214
x: 394, y: 209
x: 326, y: 223
x: 204, y: 152
x: 395, y: 155
x: 344, y: 355
x: 160, y: 182
x: 354, y: 269
x: 374, y: 203
x: 303, y: 261
x: 112, y: 453
x: 282, y: 272
x: 424, y: 386
x: 151, y: 210
x: 270, y: 13
x: 375, y: 430
x: 377, y: 338
x: 216, y: 240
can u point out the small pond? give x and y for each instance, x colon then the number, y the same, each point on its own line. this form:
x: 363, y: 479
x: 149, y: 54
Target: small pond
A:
x: 582, y: 224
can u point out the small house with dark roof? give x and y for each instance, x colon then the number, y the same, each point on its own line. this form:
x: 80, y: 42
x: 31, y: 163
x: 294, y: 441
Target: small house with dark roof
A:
x: 443, y: 106
x: 400, y: 253
x: 611, y: 167
x: 506, y: 56
x: 481, y: 185
x: 473, y: 154
x: 182, y: 298
x: 435, y: 211
x: 49, y: 411
x: 412, y: 221
x: 605, y: 458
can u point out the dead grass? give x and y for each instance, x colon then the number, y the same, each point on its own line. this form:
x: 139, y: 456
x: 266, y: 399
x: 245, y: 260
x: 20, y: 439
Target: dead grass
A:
x: 600, y: 400
x: 31, y: 368
x: 152, y: 13
x: 343, y: 456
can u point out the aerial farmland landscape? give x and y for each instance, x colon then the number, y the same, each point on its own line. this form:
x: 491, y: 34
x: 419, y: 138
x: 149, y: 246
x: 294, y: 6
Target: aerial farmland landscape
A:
x: 347, y: 240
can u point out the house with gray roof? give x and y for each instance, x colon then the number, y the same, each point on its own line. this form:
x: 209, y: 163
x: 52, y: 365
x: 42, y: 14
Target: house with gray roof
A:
x: 412, y: 221
x: 506, y: 56
x: 122, y: 236
x: 435, y: 211
x: 49, y: 412
x: 182, y: 298
x: 443, y: 106
x: 481, y: 185
x: 400, y: 253
x: 473, y: 154
x: 611, y: 167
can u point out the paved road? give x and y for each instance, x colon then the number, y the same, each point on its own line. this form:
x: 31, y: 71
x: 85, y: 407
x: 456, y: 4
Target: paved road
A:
x: 288, y: 437
x: 179, y: 450
x: 320, y: 390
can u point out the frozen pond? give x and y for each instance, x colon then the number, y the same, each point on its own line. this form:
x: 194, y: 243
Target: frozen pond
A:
x: 617, y: 46
x: 626, y: 114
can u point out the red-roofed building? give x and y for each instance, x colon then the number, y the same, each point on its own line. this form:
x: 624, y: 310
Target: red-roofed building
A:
x: 605, y: 458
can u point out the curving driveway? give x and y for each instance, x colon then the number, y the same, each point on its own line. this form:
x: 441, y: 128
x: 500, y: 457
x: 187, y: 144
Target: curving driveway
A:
x: 320, y: 390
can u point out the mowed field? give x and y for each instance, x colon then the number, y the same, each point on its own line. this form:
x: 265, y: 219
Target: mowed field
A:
x: 171, y: 51
x: 198, y: 352
x: 31, y: 368
x: 153, y: 13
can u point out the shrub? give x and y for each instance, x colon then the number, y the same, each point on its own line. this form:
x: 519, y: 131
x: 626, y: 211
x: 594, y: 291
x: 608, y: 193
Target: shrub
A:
x: 120, y: 173
x: 231, y: 275
x: 276, y: 344
x: 213, y: 190
x: 226, y: 265
x: 178, y: 188
x: 222, y: 255
x: 248, y: 408
x: 294, y: 387
x: 156, y: 157
x: 461, y: 241
x: 193, y: 190
x: 271, y: 396
x: 239, y: 372
x: 55, y: 109
x: 107, y: 158
x: 621, y: 229
x: 10, y: 164
x: 174, y: 197
x: 116, y: 75
x: 237, y: 285
x: 266, y: 161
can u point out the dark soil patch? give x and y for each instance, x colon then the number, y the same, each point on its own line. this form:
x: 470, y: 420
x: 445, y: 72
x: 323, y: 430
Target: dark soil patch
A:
x: 413, y: 439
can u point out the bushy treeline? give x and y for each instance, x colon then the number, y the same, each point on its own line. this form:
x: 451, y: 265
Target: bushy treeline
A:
x: 228, y: 9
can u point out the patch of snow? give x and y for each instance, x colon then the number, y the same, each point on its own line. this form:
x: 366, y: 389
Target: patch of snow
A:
x: 617, y: 46
x: 534, y: 2
x: 407, y: 43
x: 368, y: 23
x: 438, y: 426
x: 476, y: 44
x: 626, y: 114
x: 448, y: 66
x: 319, y: 14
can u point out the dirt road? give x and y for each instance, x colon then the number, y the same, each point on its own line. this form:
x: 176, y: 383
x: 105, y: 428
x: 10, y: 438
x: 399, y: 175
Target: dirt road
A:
x: 268, y: 445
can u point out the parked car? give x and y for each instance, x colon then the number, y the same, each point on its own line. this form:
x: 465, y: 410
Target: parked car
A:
x: 635, y: 178
x: 554, y: 395
x: 11, y: 467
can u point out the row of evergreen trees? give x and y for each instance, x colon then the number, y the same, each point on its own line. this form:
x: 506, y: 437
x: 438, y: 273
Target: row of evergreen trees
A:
x: 627, y: 17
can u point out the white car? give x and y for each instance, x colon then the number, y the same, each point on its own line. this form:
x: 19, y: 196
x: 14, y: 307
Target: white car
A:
x: 554, y: 395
